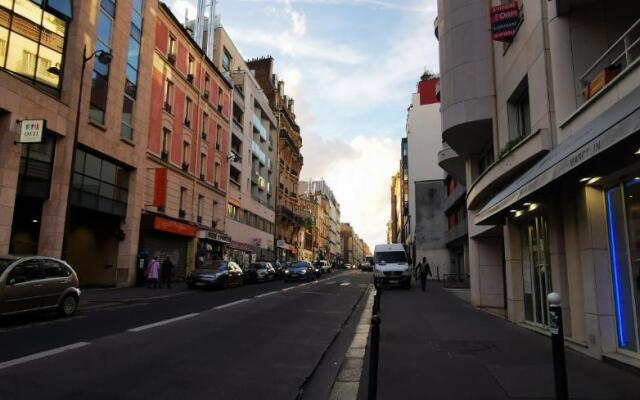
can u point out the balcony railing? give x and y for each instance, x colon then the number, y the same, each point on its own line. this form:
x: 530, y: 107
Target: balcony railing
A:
x: 622, y: 54
x: 262, y: 131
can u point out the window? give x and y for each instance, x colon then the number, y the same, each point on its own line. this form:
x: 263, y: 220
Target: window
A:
x: 99, y: 184
x: 133, y: 62
x: 183, y: 198
x: 26, y: 271
x: 190, y: 65
x: 54, y: 269
x: 100, y: 82
x: 205, y: 125
x: 519, y: 112
x: 203, y: 165
x: 32, y: 41
x: 200, y: 200
x: 485, y: 160
x: 168, y: 95
x: 36, y: 166
x: 216, y: 168
x: 187, y: 112
x: 207, y: 85
x: 218, y: 128
x: 233, y: 212
x: 172, y: 48
x: 226, y: 60
x: 185, y: 154
x: 166, y: 140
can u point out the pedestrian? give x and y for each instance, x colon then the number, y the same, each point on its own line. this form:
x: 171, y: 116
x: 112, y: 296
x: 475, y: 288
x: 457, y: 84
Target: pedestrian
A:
x: 423, y: 269
x: 167, y: 272
x: 152, y: 273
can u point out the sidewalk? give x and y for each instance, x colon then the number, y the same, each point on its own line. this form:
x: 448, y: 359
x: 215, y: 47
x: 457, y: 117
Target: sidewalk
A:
x: 110, y: 297
x: 435, y: 346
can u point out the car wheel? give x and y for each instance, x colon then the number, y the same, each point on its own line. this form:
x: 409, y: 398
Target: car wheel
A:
x: 68, y: 306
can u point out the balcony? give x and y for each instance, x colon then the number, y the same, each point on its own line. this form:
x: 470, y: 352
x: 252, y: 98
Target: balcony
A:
x: 455, y: 198
x: 288, y: 214
x: 259, y: 128
x: 452, y: 163
x: 258, y: 153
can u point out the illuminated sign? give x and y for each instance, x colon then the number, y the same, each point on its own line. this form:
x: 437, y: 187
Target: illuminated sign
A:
x: 505, y: 20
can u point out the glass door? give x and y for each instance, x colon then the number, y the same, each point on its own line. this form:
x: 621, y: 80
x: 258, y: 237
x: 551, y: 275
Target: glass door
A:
x: 536, y: 270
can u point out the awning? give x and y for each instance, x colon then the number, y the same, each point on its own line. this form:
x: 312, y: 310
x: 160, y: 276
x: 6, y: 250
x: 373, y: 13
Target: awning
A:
x: 611, y: 127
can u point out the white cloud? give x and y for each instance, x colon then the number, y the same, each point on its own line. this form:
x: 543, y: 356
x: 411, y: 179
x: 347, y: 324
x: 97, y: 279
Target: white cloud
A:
x: 183, y: 8
x: 359, y: 173
x: 298, y: 22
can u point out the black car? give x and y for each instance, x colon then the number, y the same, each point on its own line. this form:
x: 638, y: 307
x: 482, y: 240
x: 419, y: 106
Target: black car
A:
x: 300, y: 271
x: 260, y: 272
x: 279, y: 268
x: 221, y: 274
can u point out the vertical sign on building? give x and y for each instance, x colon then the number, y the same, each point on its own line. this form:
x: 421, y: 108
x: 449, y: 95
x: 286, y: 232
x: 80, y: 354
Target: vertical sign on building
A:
x: 505, y: 20
x: 160, y: 188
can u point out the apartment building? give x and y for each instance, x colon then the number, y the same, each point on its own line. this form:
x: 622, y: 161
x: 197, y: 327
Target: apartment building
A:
x: 290, y: 160
x: 94, y: 224
x: 186, y: 159
x: 252, y: 171
x: 548, y: 136
x: 328, y: 213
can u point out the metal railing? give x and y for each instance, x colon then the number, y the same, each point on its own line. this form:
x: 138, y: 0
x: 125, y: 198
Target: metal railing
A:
x: 620, y: 55
x: 459, y: 281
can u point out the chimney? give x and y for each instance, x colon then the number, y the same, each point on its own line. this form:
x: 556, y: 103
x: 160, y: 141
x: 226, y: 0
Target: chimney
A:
x: 199, y: 28
x: 211, y: 28
x: 291, y: 104
x: 281, y: 88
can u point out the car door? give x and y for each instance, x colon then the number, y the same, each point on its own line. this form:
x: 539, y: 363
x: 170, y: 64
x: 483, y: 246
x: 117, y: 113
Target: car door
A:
x: 23, y: 287
x: 56, y: 278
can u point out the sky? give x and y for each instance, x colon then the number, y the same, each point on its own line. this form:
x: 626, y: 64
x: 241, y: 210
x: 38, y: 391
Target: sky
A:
x: 351, y: 66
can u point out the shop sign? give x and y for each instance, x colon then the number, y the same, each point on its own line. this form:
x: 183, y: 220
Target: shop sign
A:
x: 171, y: 226
x: 31, y: 130
x: 241, y: 246
x: 214, y: 236
x: 160, y: 188
x: 257, y: 242
x: 282, y: 244
x: 505, y: 19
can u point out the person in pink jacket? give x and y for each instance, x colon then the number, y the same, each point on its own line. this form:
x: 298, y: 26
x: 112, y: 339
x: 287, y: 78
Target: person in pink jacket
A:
x: 153, y: 269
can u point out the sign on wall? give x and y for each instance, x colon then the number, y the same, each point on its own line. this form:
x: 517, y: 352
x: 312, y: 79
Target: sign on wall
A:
x: 31, y: 130
x: 505, y: 20
x: 160, y: 188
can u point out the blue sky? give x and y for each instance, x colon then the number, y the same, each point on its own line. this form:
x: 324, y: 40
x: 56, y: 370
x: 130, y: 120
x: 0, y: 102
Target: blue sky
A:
x: 351, y: 66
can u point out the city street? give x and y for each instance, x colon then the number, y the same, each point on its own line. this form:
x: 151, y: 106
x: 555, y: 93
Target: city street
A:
x: 256, y: 341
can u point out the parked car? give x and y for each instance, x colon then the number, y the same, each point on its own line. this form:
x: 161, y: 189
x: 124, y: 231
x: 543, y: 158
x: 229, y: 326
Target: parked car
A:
x: 221, y: 274
x: 260, y: 272
x: 37, y: 283
x: 301, y: 271
x: 325, y: 266
x: 366, y: 266
x: 391, y: 266
x: 279, y: 268
x: 347, y: 266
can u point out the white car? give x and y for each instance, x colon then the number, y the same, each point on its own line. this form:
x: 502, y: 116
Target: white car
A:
x: 391, y: 266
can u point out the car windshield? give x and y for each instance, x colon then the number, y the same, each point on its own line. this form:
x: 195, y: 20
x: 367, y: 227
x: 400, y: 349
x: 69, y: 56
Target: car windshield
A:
x: 391, y: 257
x: 4, y: 263
x: 299, y: 265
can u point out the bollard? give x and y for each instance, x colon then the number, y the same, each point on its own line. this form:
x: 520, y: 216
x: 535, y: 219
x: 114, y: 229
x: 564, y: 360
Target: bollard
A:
x: 557, y: 346
x: 373, y: 360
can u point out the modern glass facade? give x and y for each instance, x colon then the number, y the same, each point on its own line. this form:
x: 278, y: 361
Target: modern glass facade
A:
x: 100, y: 82
x: 133, y: 63
x: 623, y: 216
x: 32, y: 40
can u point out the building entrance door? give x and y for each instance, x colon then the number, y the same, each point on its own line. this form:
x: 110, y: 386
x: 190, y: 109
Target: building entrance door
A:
x: 536, y: 270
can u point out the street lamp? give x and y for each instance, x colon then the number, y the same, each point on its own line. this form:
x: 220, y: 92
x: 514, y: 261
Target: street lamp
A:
x: 104, y: 57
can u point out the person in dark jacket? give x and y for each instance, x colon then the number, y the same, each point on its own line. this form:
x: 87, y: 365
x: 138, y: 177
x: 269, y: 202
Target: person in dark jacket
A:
x: 422, y: 270
x: 167, y: 272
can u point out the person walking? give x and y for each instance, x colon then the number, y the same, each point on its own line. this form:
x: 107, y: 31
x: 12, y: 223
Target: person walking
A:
x: 152, y: 273
x: 423, y: 269
x: 167, y: 272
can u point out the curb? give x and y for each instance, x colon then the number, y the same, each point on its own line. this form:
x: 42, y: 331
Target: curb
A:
x: 347, y: 383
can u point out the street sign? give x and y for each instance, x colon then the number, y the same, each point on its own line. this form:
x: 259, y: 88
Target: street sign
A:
x: 505, y: 20
x: 31, y: 130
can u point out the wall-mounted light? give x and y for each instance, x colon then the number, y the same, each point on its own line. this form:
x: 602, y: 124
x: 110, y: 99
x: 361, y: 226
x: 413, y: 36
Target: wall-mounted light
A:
x: 533, y: 206
x: 526, y: 204
x: 593, y: 180
x: 585, y: 179
x: 35, y: 221
x: 519, y: 213
x: 513, y: 211
x: 638, y: 151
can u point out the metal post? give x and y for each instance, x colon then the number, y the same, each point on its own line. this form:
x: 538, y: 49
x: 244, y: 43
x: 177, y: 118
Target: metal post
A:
x: 375, y: 347
x: 557, y: 346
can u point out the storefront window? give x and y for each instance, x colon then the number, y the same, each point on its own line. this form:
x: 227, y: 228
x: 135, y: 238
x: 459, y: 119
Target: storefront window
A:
x: 536, y: 270
x: 623, y: 215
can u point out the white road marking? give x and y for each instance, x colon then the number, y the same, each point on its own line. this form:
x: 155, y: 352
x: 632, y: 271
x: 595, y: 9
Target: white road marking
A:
x: 345, y: 284
x: 287, y: 289
x: 160, y: 323
x: 233, y: 303
x: 42, y: 354
x: 266, y: 294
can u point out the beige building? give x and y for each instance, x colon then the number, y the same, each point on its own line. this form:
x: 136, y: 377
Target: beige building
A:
x: 252, y: 171
x: 548, y: 137
x: 40, y: 80
x: 328, y: 214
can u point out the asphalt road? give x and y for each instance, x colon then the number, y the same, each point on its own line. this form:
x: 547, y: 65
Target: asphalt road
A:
x: 257, y: 341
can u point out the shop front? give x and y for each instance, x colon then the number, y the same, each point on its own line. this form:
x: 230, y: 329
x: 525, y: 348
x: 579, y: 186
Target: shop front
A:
x: 164, y: 237
x: 242, y: 254
x: 212, y: 246
x: 286, y: 251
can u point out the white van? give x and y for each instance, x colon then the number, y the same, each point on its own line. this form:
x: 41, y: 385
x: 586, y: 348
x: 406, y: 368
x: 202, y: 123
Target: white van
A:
x: 391, y: 266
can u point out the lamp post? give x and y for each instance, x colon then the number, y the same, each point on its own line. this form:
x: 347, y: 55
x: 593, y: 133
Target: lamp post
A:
x: 104, y: 58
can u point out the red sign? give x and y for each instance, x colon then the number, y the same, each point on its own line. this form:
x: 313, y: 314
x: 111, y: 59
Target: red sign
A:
x: 171, y: 226
x: 505, y: 20
x: 160, y: 188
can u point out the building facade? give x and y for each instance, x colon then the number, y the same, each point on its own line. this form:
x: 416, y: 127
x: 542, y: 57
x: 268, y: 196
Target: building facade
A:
x: 187, y: 153
x: 252, y: 174
x: 289, y: 158
x: 327, y: 213
x: 41, y: 47
x: 549, y: 140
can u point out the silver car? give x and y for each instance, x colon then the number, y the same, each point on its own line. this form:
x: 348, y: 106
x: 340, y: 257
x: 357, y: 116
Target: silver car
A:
x: 34, y: 283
